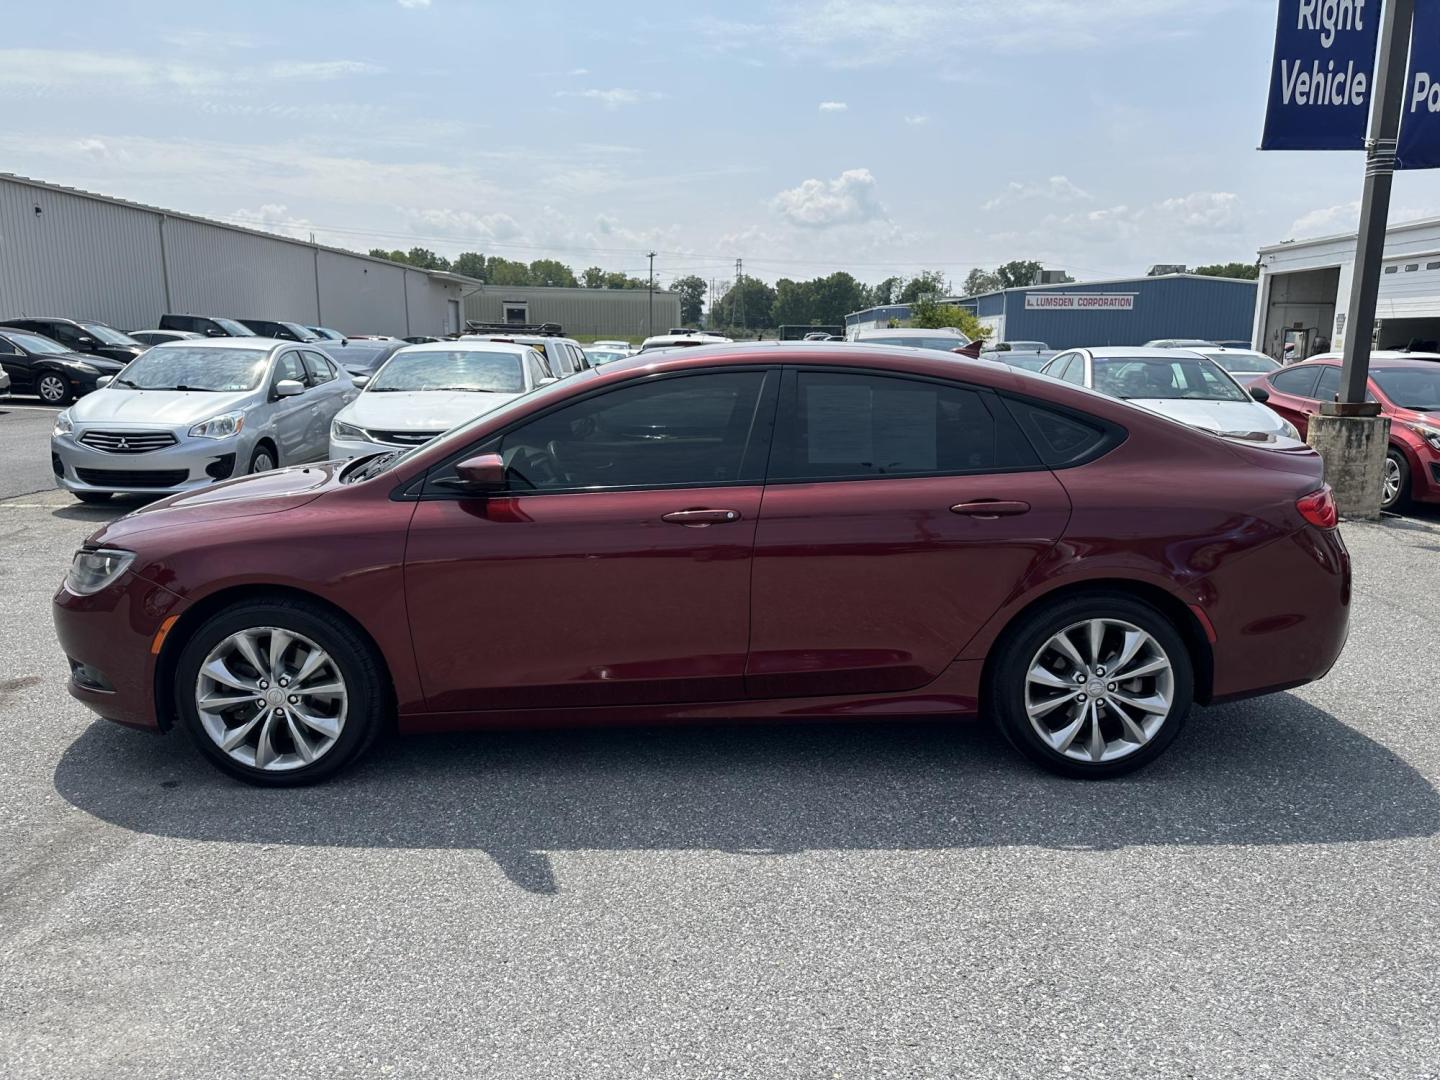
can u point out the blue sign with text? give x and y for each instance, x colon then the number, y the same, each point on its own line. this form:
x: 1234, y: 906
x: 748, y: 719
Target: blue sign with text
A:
x: 1419, y: 146
x: 1322, y: 75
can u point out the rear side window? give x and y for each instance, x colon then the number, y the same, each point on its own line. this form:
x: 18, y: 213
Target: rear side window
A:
x: 1329, y: 384
x: 839, y: 425
x: 1298, y: 381
x: 1063, y: 438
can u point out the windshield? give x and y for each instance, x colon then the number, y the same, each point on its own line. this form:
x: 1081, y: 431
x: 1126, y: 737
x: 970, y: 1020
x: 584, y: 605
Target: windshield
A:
x: 1246, y: 363
x: 451, y: 369
x: 301, y: 334
x: 234, y: 329
x: 35, y: 343
x: 1418, y: 390
x: 107, y: 334
x: 606, y: 356
x: 1190, y: 378
x: 195, y: 367
x: 946, y: 344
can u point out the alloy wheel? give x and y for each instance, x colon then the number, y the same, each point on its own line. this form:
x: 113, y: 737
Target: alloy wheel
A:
x: 271, y: 699
x: 52, y: 389
x: 1099, y: 690
x: 1390, y: 492
x: 261, y: 462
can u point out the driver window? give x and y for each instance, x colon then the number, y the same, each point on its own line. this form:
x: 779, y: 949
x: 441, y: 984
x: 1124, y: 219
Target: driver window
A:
x: 688, y: 431
x: 289, y: 366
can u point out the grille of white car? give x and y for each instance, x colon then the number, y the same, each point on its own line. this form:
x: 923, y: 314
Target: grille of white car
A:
x: 128, y: 442
x: 402, y: 438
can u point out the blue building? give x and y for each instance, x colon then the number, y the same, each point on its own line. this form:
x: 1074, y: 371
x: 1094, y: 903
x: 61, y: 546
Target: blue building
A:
x: 1125, y: 311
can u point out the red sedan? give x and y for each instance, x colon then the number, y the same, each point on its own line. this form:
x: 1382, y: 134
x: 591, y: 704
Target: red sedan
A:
x: 763, y: 531
x: 1408, y: 391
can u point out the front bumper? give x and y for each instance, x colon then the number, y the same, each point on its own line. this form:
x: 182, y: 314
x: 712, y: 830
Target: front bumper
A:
x: 189, y: 464
x: 347, y: 449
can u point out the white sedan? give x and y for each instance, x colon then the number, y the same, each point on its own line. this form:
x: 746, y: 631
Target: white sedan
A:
x: 1177, y: 383
x: 424, y: 390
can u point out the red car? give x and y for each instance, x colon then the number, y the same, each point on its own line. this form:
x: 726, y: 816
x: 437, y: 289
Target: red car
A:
x: 729, y: 532
x: 1408, y: 391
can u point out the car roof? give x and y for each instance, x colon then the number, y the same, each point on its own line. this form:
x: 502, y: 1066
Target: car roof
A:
x: 1382, y: 354
x: 1139, y: 352
x: 254, y: 342
x: 470, y: 344
x: 523, y: 339
x: 1382, y: 359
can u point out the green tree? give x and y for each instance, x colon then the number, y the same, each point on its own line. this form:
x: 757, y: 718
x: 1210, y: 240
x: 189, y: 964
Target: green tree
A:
x: 1019, y: 272
x: 393, y: 256
x: 928, y: 313
x: 1248, y: 271
x: 925, y: 283
x: 469, y: 263
x: 758, y: 302
x: 882, y: 293
x: 692, y: 298
x: 615, y: 279
x: 426, y: 259
x: 552, y: 272
x: 794, y: 303
x: 981, y: 281
x: 593, y: 278
x: 500, y: 271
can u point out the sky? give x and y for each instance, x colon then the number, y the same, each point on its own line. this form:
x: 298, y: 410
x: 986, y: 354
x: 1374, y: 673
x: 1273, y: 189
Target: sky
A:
x: 1095, y: 136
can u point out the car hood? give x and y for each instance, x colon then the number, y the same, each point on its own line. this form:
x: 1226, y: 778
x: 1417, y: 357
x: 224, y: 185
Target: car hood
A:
x: 248, y: 496
x: 102, y: 364
x: 421, y: 410
x: 1222, y: 417
x: 167, y: 408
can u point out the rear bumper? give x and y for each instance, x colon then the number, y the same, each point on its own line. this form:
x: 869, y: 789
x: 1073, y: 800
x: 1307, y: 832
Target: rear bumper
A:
x: 109, y: 640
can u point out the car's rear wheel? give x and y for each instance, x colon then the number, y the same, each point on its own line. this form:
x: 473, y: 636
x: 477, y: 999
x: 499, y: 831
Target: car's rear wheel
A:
x: 1093, y: 686
x: 92, y: 496
x: 53, y: 389
x: 1395, y: 489
x: 281, y: 692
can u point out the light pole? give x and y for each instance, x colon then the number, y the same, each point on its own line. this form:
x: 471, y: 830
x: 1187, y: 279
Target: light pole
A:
x: 650, y: 318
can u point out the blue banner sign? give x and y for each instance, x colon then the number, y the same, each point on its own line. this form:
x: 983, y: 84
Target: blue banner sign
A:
x: 1322, y: 76
x: 1419, y: 146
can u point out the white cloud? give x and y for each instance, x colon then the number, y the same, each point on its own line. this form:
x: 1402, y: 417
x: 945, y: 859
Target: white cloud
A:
x: 1055, y: 189
x: 412, y: 4
x: 612, y: 99
x: 273, y: 218
x: 833, y: 106
x: 917, y: 121
x: 849, y: 199
x: 578, y: 71
x: 463, y: 224
x: 61, y: 70
x: 1208, y: 211
x: 1327, y: 220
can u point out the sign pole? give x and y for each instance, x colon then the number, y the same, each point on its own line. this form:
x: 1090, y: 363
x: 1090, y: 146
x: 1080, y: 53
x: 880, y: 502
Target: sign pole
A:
x: 1386, y: 105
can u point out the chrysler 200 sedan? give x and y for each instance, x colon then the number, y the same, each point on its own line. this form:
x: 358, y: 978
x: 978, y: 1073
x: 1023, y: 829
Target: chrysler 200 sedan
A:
x: 187, y: 414
x: 761, y: 531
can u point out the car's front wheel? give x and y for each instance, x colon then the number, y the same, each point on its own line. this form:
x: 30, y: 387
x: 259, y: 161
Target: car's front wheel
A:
x: 263, y: 459
x: 1395, y: 486
x: 1092, y: 686
x: 53, y: 389
x: 280, y: 692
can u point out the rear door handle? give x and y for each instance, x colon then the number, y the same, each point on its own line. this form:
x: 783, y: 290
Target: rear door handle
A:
x: 701, y: 518
x: 991, y: 508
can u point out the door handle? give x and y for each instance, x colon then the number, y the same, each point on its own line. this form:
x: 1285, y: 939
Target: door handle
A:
x: 991, y: 508
x: 701, y: 518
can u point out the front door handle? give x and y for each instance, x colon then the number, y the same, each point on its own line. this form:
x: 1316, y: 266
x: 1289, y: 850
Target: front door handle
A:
x: 991, y: 508
x: 701, y: 518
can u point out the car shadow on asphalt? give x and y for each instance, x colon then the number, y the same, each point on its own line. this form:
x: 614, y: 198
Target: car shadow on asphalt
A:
x: 1271, y: 771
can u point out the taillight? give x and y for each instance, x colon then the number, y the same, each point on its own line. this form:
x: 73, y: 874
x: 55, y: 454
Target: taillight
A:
x: 1318, y: 508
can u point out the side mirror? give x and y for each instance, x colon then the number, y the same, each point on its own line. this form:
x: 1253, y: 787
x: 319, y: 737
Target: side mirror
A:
x: 103, y: 381
x: 478, y: 474
x: 1260, y: 394
x: 547, y: 381
x: 289, y: 388
x: 215, y: 331
x: 85, y: 344
x: 360, y: 380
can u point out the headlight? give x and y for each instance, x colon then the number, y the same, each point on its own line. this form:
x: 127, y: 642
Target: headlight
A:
x: 347, y: 432
x: 1291, y: 431
x: 80, y: 366
x: 219, y: 427
x: 1429, y: 434
x: 63, y: 424
x: 91, y: 571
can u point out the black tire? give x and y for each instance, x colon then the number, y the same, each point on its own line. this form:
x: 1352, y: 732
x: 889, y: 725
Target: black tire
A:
x: 367, y: 684
x: 1019, y: 646
x: 262, y: 454
x: 1402, y: 495
x: 54, y: 389
x: 92, y: 496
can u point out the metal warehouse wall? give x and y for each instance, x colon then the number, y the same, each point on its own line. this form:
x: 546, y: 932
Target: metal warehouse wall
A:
x: 1174, y: 306
x: 88, y: 256
x: 621, y: 313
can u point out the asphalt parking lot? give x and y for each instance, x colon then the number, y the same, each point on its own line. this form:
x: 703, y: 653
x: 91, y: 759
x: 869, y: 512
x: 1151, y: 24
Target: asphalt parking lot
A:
x: 836, y: 901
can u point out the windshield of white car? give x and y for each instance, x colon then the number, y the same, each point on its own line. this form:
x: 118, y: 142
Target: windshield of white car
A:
x: 35, y: 343
x: 606, y: 356
x: 107, y: 334
x: 945, y: 344
x: 1410, y: 389
x: 458, y: 369
x: 195, y: 367
x: 1245, y: 363
x: 1157, y: 377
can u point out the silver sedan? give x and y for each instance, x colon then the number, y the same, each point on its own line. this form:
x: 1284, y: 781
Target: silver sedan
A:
x: 187, y: 414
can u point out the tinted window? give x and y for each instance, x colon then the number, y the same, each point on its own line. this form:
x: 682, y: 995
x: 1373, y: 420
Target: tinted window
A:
x: 838, y: 425
x: 7, y: 348
x: 1299, y: 381
x: 1061, y: 438
x: 1329, y: 384
x: 319, y: 368
x: 1410, y: 388
x: 63, y: 333
x: 35, y: 343
x: 690, y: 431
